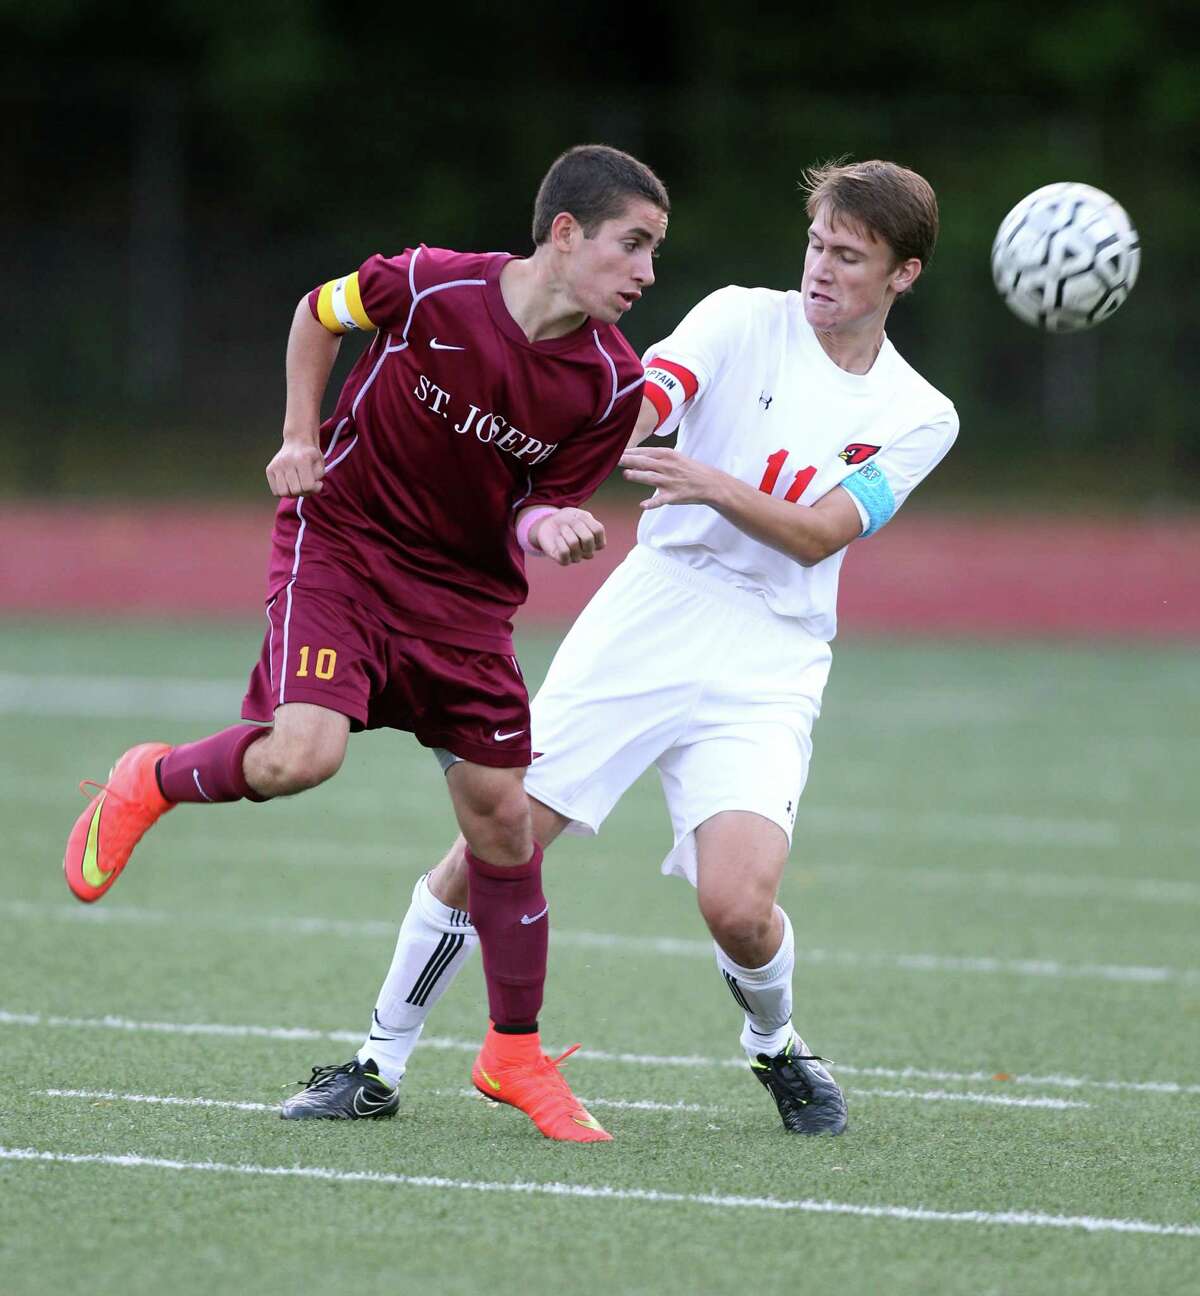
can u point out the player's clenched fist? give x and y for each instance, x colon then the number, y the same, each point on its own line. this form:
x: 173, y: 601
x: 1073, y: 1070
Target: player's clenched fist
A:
x: 569, y: 535
x: 297, y: 469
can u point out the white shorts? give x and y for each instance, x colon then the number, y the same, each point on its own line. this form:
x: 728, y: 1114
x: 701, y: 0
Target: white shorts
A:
x: 672, y: 667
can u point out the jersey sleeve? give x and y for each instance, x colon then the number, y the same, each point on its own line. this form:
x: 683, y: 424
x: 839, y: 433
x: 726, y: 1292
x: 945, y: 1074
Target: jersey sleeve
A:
x: 581, y: 463
x: 680, y: 368
x: 378, y: 295
x: 884, y: 482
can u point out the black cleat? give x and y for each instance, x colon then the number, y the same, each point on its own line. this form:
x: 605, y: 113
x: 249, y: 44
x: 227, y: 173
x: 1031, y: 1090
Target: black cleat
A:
x: 352, y: 1091
x: 808, y: 1097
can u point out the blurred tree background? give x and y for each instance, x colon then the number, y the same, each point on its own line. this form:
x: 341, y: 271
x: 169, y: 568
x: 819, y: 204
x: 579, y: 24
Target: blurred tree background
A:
x: 179, y: 173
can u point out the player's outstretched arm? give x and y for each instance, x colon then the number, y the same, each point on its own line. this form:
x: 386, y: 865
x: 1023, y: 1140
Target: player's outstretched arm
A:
x: 806, y: 533
x: 647, y: 420
x: 568, y: 535
x: 298, y: 467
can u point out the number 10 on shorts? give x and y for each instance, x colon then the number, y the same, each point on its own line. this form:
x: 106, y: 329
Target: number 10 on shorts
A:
x: 323, y: 666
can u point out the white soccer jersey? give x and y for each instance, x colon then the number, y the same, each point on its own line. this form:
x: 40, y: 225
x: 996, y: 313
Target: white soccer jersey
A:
x: 761, y: 400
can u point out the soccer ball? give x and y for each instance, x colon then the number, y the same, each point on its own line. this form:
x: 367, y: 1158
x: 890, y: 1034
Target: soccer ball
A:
x: 1065, y: 257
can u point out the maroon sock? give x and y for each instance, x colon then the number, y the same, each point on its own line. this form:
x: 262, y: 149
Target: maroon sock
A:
x: 512, y: 918
x: 211, y: 769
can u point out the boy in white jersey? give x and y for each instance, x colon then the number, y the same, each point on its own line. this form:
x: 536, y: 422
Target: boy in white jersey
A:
x: 706, y: 652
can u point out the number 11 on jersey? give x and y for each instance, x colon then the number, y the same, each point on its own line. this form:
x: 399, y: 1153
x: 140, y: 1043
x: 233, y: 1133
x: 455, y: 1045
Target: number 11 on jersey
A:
x: 774, y: 467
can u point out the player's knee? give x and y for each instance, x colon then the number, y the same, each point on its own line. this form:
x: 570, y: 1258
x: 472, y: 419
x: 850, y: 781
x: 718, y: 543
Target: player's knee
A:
x: 509, y: 823
x: 501, y: 832
x: 736, y: 923
x: 493, y: 812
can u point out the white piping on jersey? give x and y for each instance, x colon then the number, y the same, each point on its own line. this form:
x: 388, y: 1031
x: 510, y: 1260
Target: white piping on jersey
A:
x: 271, y: 642
x: 612, y: 369
x: 362, y: 391
x: 418, y: 297
x: 287, y: 622
x: 299, y: 539
x: 329, y: 467
x: 528, y: 491
x: 333, y: 440
x: 637, y: 382
x: 287, y: 616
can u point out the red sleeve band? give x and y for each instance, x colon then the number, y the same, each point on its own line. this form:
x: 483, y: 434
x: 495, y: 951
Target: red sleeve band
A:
x: 685, y: 376
x: 660, y: 400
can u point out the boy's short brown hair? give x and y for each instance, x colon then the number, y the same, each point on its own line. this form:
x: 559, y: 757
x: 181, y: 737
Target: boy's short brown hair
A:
x: 594, y: 183
x: 886, y: 200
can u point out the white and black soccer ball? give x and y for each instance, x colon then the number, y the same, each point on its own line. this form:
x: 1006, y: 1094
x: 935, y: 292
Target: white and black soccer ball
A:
x: 1065, y: 257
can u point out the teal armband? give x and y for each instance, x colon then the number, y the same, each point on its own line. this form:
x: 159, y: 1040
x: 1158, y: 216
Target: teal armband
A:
x: 870, y: 487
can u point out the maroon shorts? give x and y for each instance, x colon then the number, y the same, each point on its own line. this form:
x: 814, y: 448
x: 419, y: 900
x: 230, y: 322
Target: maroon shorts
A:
x: 330, y: 651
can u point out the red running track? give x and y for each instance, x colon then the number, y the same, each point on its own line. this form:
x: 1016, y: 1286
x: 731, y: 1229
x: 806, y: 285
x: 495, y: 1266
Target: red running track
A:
x: 1031, y: 576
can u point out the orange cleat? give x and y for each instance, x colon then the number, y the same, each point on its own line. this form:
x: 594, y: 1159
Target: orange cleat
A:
x: 115, y: 821
x: 513, y: 1069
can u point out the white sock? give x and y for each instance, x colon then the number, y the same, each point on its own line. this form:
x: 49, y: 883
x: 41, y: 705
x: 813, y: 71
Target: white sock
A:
x: 434, y: 942
x: 764, y: 994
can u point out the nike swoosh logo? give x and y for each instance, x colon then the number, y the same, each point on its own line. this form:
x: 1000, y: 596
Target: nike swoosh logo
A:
x: 587, y: 1120
x: 365, y: 1105
x: 504, y: 737
x: 526, y: 920
x: 92, y: 873
x: 435, y: 345
x: 494, y: 1083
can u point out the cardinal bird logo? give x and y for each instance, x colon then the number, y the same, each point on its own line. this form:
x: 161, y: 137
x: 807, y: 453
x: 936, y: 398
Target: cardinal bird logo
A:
x: 857, y: 452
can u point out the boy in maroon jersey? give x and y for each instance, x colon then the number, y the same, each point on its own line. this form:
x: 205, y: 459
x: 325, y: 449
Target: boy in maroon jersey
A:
x: 495, y: 396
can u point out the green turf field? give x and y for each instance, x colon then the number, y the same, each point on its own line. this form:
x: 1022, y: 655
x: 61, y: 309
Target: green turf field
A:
x: 996, y: 898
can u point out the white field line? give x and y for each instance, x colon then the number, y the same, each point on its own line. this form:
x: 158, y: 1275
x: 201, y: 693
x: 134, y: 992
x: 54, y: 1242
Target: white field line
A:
x: 943, y: 1095
x: 669, y: 945
x: 905, y: 962
x: 165, y: 698
x: 978, y: 829
x: 299, y: 1033
x: 120, y: 696
x: 619, y: 1104
x: 160, y: 1100
x: 314, y: 852
x: 1054, y: 886
x: 912, y: 1095
x: 604, y: 1192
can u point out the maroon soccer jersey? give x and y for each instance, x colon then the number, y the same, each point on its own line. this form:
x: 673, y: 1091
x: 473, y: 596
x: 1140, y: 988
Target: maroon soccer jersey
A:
x: 449, y: 423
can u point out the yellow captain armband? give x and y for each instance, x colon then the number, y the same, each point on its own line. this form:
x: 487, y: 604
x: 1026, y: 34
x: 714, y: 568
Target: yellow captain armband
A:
x: 340, y: 308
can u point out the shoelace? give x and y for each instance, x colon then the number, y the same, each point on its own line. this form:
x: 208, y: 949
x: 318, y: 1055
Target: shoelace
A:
x: 562, y: 1057
x: 323, y: 1074
x: 138, y: 820
x: 559, y: 1093
x: 802, y: 1076
x: 100, y: 787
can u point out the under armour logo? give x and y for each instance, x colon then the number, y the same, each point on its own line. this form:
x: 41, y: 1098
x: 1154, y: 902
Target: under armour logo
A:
x: 764, y: 400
